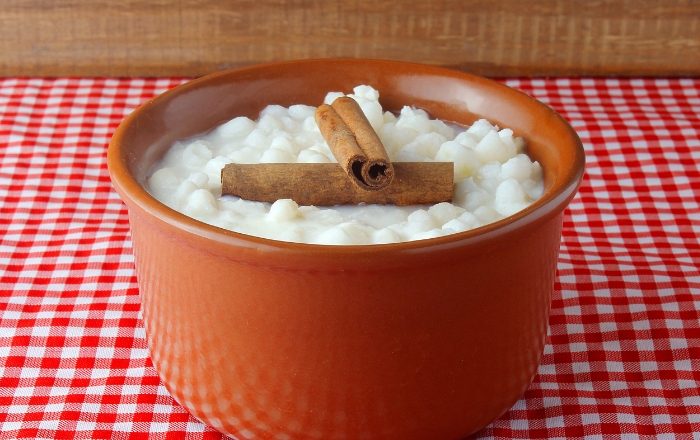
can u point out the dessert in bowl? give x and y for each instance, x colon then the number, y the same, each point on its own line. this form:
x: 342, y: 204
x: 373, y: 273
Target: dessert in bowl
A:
x: 264, y: 338
x: 450, y: 178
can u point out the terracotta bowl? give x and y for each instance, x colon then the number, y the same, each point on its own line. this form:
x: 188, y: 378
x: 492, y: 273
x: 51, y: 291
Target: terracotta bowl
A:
x: 430, y: 339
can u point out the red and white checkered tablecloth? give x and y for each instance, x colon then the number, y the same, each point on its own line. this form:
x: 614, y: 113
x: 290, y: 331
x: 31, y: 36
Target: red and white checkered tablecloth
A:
x: 623, y: 357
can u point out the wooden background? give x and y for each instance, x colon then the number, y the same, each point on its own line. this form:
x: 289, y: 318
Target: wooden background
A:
x: 510, y: 37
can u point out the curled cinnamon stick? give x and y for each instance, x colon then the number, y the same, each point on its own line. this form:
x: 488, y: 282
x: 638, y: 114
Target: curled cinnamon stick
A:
x: 325, y: 184
x: 354, y: 143
x: 377, y: 171
x: 342, y: 142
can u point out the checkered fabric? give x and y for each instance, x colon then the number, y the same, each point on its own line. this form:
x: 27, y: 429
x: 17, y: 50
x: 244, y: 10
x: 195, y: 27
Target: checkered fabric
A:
x: 623, y: 357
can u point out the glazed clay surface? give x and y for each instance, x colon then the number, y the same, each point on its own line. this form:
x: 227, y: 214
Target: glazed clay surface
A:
x: 267, y: 339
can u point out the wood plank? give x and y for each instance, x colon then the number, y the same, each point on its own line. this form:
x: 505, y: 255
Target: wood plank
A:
x: 511, y: 37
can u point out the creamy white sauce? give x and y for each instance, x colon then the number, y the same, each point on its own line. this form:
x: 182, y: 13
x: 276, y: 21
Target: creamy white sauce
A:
x: 493, y: 176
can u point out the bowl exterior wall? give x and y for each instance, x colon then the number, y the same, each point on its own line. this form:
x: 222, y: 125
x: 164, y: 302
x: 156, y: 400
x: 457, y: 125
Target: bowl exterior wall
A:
x: 431, y: 350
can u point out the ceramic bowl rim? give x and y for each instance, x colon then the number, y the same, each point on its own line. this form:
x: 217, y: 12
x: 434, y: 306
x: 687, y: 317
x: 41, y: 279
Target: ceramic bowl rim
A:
x: 134, y: 194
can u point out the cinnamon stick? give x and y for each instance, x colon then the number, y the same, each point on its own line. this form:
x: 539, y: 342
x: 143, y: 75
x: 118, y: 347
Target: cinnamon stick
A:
x: 377, y: 171
x: 354, y: 143
x: 325, y: 184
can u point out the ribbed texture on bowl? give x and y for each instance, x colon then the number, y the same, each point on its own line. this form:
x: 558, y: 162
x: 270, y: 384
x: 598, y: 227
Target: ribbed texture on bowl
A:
x: 429, y: 353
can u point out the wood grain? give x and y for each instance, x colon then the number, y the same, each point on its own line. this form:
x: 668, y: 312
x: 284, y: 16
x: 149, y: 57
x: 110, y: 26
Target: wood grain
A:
x: 511, y: 37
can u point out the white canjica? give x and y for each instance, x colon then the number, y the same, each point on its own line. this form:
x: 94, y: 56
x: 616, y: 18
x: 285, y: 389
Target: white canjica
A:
x: 494, y: 178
